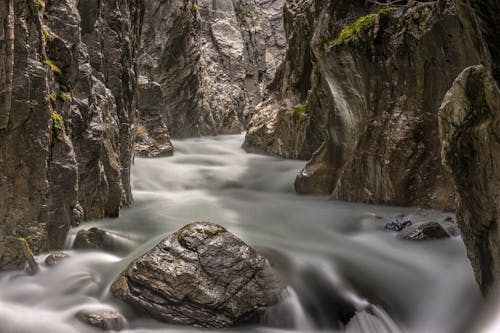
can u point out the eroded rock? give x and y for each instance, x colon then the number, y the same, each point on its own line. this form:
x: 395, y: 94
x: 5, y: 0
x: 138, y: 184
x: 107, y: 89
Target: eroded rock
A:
x: 94, y: 238
x: 424, y: 231
x: 470, y: 134
x: 105, y: 319
x: 55, y: 258
x: 201, y: 275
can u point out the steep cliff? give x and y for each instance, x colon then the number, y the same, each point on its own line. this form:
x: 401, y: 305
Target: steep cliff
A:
x: 470, y: 134
x: 68, y: 92
x: 212, y: 59
x: 378, y: 77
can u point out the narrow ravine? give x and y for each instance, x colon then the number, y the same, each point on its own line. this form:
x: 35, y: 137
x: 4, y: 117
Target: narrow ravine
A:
x: 345, y: 272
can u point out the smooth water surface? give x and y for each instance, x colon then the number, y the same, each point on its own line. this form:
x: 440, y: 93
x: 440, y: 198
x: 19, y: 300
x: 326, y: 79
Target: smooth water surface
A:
x: 345, y: 272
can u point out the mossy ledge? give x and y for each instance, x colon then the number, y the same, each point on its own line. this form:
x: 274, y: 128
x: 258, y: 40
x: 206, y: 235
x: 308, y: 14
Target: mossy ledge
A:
x: 360, y: 26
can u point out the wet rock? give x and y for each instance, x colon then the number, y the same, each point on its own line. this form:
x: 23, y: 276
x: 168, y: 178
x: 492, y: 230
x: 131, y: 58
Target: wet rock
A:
x: 67, y: 115
x: 370, y: 133
x: 398, y: 224
x: 105, y: 319
x: 425, y: 231
x: 55, y: 258
x: 201, y: 275
x: 18, y: 255
x: 470, y: 134
x: 94, y: 238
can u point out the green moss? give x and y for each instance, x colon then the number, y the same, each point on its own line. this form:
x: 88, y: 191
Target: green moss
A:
x: 53, y: 67
x: 299, y: 111
x: 58, y: 127
x: 52, y: 98
x: 196, y: 7
x: 47, y: 34
x: 360, y: 26
x: 244, y: 14
x: 40, y: 4
x: 62, y: 96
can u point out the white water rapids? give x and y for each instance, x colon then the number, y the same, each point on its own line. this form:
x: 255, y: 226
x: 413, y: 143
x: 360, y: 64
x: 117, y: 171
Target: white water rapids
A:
x: 345, y: 272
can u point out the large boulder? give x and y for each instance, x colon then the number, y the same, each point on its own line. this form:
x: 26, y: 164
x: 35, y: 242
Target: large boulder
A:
x: 201, y: 275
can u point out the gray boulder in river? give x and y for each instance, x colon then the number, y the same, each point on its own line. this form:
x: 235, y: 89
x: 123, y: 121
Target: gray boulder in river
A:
x: 201, y: 275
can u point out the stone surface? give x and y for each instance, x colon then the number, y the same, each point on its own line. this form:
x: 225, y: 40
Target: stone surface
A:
x: 153, y: 139
x: 424, y: 231
x: 470, y: 134
x: 67, y: 115
x: 55, y: 258
x: 105, y: 319
x: 18, y: 255
x: 212, y: 59
x: 94, y: 238
x: 372, y: 101
x: 398, y: 224
x: 201, y: 275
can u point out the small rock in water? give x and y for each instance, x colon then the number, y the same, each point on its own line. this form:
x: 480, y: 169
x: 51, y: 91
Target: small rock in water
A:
x: 398, y: 224
x: 105, y: 319
x: 55, y: 258
x: 425, y: 231
x: 94, y: 238
x: 202, y: 275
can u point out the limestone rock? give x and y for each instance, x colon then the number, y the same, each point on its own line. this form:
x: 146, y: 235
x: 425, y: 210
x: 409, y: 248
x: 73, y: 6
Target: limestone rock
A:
x: 94, y: 238
x: 105, y: 319
x: 470, y: 134
x: 424, y: 231
x: 18, y: 255
x: 212, y: 59
x: 67, y: 115
x: 201, y: 275
x: 55, y: 258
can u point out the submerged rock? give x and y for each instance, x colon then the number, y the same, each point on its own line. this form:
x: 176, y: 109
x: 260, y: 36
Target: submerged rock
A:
x: 425, y: 231
x: 398, y: 224
x: 201, y: 275
x: 55, y: 258
x: 105, y: 319
x: 93, y: 238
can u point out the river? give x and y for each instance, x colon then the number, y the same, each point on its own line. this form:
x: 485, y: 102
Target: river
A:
x: 345, y: 272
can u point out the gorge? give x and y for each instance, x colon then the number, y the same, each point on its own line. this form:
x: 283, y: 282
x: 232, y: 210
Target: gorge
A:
x: 375, y: 116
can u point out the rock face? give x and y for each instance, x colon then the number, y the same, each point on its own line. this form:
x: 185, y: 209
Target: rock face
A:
x: 153, y: 139
x: 201, y: 275
x: 67, y: 115
x: 470, y: 133
x: 376, y: 80
x: 212, y: 59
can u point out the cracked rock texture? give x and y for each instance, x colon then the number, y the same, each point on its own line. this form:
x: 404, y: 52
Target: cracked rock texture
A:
x: 68, y: 92
x: 212, y: 59
x: 201, y: 275
x: 470, y: 134
x: 370, y: 103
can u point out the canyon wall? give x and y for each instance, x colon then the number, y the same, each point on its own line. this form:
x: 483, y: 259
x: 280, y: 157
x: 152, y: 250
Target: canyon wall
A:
x: 68, y: 95
x: 212, y: 60
x: 377, y: 78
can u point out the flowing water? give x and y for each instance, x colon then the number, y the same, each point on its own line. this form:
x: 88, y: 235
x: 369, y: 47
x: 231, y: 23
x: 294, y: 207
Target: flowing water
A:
x: 345, y: 272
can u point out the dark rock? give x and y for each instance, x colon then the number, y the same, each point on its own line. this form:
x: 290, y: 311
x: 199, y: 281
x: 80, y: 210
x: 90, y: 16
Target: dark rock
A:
x: 55, y: 258
x: 106, y: 319
x: 470, y: 134
x: 398, y: 224
x: 424, y: 231
x: 94, y: 238
x: 201, y: 275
